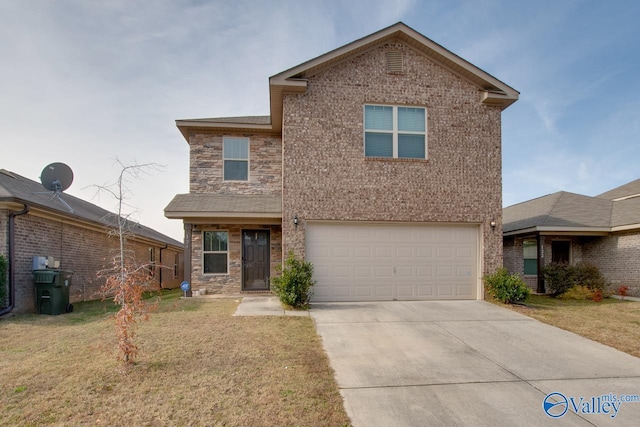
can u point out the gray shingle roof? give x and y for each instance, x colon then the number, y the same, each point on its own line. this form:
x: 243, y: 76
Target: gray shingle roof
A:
x: 14, y: 187
x: 630, y: 189
x: 247, y: 120
x: 224, y: 204
x: 563, y: 209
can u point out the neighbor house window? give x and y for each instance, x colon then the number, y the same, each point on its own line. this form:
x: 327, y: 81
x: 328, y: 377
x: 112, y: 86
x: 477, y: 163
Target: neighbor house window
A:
x: 530, y: 255
x: 395, y: 132
x: 215, y: 252
x: 152, y: 262
x: 176, y: 265
x: 235, y: 153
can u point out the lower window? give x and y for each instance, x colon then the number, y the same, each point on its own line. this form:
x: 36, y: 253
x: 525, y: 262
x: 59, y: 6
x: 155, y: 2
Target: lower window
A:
x: 530, y: 255
x: 215, y: 250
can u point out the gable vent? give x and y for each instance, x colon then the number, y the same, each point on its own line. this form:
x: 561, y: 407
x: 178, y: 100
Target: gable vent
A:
x: 394, y: 62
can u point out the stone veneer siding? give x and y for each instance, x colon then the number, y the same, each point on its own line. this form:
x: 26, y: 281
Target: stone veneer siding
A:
x: 327, y: 177
x: 206, y: 165
x: 80, y: 250
x: 230, y: 283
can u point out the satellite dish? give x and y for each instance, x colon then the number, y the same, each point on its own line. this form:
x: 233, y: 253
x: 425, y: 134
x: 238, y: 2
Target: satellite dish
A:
x: 57, y: 177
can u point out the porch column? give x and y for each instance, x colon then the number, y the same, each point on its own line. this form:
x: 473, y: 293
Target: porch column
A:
x: 540, y: 249
x: 187, y: 254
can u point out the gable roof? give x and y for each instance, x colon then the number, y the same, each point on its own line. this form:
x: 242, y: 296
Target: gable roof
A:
x: 18, y: 189
x: 293, y: 80
x: 566, y: 212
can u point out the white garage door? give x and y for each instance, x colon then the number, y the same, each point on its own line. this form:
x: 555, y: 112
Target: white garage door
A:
x: 369, y: 262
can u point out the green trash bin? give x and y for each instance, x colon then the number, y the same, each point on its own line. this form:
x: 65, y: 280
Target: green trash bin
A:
x: 52, y: 291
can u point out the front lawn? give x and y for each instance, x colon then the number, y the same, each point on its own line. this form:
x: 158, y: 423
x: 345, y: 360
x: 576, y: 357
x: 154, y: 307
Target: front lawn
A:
x: 612, y: 322
x: 197, y: 365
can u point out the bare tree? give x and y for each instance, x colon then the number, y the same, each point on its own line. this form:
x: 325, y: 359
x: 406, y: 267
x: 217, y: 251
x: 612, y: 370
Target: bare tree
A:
x: 126, y: 279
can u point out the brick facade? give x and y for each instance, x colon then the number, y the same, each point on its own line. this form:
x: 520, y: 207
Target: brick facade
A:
x: 327, y: 177
x: 616, y: 256
x: 230, y: 283
x: 81, y: 250
x: 206, y: 165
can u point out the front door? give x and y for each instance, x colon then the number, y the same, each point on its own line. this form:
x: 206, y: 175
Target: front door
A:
x: 255, y: 260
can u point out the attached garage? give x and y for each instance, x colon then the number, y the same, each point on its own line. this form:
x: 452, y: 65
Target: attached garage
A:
x: 376, y: 262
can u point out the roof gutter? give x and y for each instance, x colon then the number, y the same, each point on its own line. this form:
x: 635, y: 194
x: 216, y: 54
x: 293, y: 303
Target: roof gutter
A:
x: 12, y: 271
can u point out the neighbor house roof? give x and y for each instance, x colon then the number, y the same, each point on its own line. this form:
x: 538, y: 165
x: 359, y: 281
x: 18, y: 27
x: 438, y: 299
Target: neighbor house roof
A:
x: 294, y: 80
x: 206, y: 205
x: 16, y: 189
x: 616, y: 210
x: 631, y: 189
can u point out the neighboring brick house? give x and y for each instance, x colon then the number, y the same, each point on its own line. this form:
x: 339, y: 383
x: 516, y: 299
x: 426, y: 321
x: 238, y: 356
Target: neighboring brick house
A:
x: 33, y: 223
x: 567, y: 227
x: 380, y: 163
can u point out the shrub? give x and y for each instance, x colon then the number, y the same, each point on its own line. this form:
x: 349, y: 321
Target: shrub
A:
x: 578, y: 292
x: 623, y: 291
x: 558, y: 277
x: 293, y: 286
x: 597, y: 295
x: 509, y: 289
x: 588, y: 275
x: 3, y: 280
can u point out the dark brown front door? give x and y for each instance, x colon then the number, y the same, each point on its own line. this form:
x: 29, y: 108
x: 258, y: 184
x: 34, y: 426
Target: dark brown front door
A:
x: 255, y: 260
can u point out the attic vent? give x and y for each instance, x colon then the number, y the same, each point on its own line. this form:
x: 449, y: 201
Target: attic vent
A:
x: 394, y: 62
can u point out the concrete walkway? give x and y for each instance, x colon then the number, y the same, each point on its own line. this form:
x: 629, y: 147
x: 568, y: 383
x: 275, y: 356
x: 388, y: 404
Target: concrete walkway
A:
x: 449, y: 363
x: 265, y: 305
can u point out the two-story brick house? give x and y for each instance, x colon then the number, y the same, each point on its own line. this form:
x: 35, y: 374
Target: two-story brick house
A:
x: 380, y: 162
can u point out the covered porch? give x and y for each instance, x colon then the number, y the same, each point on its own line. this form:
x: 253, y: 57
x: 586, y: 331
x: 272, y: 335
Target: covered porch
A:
x: 233, y: 242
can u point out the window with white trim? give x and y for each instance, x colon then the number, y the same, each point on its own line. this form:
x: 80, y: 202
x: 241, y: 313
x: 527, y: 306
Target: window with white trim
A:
x: 235, y: 155
x: 395, y: 132
x: 215, y: 252
x: 530, y: 257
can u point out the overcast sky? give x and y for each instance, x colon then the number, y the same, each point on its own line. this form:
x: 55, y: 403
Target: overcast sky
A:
x: 83, y: 82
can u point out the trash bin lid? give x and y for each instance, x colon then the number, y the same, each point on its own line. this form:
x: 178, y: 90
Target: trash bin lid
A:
x: 44, y: 276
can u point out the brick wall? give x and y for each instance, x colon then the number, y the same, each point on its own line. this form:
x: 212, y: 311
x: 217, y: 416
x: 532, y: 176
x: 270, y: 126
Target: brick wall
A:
x: 618, y: 258
x: 265, y: 165
x: 326, y: 175
x: 230, y: 283
x: 80, y: 250
x: 4, y: 245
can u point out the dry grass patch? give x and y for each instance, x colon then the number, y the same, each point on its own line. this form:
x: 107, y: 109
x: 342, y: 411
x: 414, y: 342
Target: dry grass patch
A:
x: 612, y: 322
x: 197, y: 365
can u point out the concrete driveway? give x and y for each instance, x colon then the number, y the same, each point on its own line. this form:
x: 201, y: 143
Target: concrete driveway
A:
x: 424, y: 363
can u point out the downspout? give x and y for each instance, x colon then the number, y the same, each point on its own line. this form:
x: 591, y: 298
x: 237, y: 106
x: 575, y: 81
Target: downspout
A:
x: 166, y: 245
x: 12, y: 272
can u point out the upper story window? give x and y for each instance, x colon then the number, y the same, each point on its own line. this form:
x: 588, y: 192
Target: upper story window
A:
x: 395, y: 132
x: 235, y: 154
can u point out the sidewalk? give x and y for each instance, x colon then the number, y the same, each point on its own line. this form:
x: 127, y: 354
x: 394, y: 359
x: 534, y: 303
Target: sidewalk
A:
x: 265, y: 306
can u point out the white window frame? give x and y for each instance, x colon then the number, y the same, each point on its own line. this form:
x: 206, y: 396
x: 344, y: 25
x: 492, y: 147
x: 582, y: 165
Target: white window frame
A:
x: 215, y: 252
x: 224, y: 159
x: 395, y: 132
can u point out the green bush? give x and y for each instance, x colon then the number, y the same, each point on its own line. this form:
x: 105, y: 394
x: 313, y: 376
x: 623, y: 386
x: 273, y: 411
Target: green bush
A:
x: 3, y: 280
x: 588, y: 275
x: 507, y: 288
x: 293, y: 286
x: 560, y: 277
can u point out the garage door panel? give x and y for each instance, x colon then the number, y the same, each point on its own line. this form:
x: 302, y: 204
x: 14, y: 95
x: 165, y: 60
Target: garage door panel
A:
x: 359, y: 261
